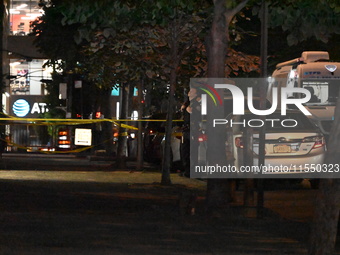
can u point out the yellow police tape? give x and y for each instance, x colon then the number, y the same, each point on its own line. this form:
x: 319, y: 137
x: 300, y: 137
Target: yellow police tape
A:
x: 40, y: 121
x: 77, y: 150
x: 48, y: 121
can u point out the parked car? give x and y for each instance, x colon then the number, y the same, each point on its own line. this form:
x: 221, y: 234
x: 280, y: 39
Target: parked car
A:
x: 292, y: 148
x: 154, y: 140
x: 153, y: 134
x: 228, y: 103
x: 175, y: 141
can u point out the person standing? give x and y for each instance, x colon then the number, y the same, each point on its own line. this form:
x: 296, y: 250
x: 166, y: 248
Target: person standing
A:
x: 185, y: 143
x: 191, y: 127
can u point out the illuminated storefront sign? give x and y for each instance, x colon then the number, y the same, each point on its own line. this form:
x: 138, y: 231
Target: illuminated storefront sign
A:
x: 83, y: 136
x: 29, y: 107
x: 21, y: 108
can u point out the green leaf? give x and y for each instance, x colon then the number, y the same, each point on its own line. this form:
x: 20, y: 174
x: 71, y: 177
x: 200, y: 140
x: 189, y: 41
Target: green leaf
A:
x: 109, y: 32
x: 292, y: 40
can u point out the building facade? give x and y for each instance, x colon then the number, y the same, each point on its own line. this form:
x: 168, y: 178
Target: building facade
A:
x: 24, y: 86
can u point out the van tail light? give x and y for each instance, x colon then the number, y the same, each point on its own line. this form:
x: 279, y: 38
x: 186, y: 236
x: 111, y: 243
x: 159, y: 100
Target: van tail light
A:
x: 239, y: 142
x: 319, y: 141
x: 202, y: 138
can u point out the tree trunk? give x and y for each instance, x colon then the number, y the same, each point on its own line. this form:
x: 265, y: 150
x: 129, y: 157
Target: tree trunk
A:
x: 324, y: 227
x: 107, y: 126
x: 325, y: 222
x: 248, y: 198
x: 216, y: 45
x: 122, y: 138
x: 4, y: 65
x: 263, y: 93
x: 139, y: 165
x: 174, y: 63
x: 2, y: 42
x: 166, y: 161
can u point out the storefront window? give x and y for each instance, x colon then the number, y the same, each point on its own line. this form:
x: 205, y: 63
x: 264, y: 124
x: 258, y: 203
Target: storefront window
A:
x: 26, y: 77
x: 22, y: 13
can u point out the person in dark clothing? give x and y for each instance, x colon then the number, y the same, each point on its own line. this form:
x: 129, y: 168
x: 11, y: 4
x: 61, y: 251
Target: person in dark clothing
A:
x: 3, y: 144
x: 191, y: 127
x: 185, y: 143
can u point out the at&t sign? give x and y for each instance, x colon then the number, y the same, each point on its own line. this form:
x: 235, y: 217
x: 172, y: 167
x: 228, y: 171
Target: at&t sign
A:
x: 21, y: 108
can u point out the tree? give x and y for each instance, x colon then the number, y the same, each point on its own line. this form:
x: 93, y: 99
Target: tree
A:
x: 90, y: 34
x: 160, y: 36
x: 177, y: 31
x: 181, y: 33
x: 217, y: 45
x: 2, y: 71
x: 304, y: 19
x: 325, y: 222
x: 297, y: 18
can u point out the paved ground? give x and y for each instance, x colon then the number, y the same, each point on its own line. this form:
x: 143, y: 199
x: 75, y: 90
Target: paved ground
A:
x: 124, y: 212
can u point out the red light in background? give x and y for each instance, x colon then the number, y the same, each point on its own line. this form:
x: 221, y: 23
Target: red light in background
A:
x: 98, y: 115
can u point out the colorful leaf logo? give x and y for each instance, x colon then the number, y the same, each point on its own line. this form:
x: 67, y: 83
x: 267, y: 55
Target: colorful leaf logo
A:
x: 209, y: 90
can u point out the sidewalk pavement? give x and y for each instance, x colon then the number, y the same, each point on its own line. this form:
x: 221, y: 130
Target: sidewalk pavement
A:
x: 124, y: 212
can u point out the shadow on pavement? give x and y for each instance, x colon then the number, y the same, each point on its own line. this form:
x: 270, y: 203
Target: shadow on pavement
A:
x: 57, y: 217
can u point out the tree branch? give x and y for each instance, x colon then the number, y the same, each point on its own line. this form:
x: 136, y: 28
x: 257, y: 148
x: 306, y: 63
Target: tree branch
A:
x: 230, y: 13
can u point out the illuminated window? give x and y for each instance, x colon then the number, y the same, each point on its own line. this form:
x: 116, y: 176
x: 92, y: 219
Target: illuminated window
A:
x: 22, y: 13
x: 115, y: 92
x: 26, y: 76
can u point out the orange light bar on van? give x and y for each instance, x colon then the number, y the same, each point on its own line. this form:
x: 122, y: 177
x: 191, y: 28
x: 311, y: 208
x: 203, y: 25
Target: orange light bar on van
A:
x: 64, y: 142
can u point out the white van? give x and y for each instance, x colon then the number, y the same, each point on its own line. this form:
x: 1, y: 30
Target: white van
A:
x: 315, y: 72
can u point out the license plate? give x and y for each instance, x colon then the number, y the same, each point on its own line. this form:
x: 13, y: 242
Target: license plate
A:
x: 282, y: 148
